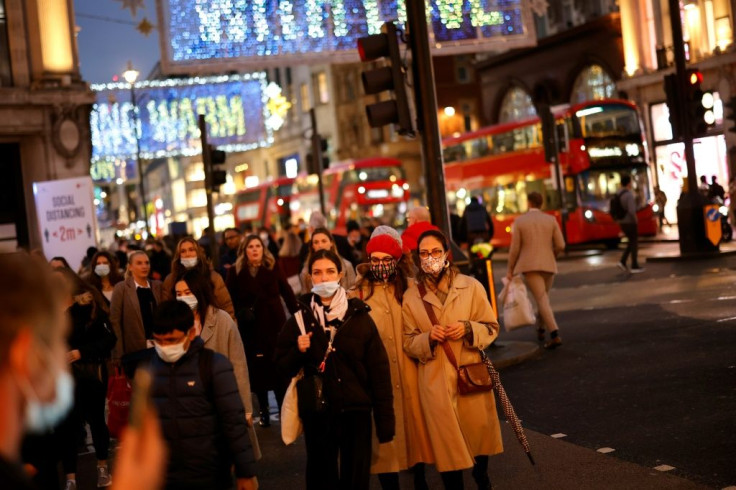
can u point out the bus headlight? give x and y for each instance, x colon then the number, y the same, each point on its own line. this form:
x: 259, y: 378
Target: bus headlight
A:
x: 723, y: 210
x: 655, y: 208
x: 588, y: 214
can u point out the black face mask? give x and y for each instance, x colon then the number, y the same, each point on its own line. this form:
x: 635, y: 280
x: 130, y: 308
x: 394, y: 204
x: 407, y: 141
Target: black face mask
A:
x: 383, y: 272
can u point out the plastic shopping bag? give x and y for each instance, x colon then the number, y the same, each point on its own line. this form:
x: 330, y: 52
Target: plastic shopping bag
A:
x: 118, y: 400
x: 291, y: 424
x: 517, y: 308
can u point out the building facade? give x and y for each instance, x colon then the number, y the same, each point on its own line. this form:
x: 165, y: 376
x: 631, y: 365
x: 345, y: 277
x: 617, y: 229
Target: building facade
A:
x: 708, y: 37
x: 44, y: 110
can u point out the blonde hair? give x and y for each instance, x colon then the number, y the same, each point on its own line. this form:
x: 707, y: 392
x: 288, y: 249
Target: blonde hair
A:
x: 131, y: 256
x: 268, y: 261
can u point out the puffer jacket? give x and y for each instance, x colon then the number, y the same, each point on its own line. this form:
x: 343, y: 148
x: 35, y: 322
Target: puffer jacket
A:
x: 204, y: 426
x: 357, y: 373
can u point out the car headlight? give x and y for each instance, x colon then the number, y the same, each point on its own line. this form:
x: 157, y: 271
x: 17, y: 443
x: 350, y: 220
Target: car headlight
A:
x: 588, y: 214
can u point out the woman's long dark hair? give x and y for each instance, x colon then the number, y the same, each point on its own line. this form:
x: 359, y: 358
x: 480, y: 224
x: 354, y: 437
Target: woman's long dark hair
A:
x: 451, y: 271
x: 201, y: 288
x: 78, y: 287
x: 114, y: 276
x: 400, y: 280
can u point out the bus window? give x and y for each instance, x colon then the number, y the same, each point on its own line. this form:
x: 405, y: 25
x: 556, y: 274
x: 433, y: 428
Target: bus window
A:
x: 598, y: 186
x: 615, y: 120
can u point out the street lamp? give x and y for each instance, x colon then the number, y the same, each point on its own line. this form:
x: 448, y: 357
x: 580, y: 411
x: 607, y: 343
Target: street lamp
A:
x: 131, y: 75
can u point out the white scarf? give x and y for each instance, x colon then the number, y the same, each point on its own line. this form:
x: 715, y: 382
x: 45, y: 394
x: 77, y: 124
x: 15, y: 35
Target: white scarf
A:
x: 337, y: 309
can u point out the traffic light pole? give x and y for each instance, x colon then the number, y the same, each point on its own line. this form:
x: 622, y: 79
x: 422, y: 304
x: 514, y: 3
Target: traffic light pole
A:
x: 208, y: 190
x: 317, y: 159
x: 690, y: 219
x: 426, y: 106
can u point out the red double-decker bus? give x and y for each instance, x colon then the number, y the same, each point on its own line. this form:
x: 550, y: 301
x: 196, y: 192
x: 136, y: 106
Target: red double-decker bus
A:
x: 266, y: 204
x: 354, y: 189
x: 598, y: 141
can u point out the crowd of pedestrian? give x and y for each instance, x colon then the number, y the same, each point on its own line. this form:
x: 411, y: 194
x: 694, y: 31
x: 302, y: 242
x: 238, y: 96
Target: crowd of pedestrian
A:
x: 376, y: 322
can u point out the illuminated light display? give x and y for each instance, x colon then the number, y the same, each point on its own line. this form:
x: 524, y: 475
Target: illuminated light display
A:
x: 236, y: 109
x: 224, y: 34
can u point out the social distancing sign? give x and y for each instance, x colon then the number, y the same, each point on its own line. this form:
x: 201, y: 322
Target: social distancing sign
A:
x: 66, y: 218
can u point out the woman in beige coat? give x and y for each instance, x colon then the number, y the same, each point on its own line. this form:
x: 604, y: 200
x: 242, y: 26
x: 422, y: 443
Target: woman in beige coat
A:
x: 463, y: 429
x: 189, y: 255
x: 382, y: 285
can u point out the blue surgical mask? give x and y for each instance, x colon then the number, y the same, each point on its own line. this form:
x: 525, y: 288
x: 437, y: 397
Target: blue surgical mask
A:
x: 326, y: 289
x: 40, y: 416
x: 102, y: 269
x: 188, y: 263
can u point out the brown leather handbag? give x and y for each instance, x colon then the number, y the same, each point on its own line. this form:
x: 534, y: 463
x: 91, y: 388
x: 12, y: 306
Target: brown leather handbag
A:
x: 471, y: 378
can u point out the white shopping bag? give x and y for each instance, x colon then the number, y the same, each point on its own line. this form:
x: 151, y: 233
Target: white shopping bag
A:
x: 517, y: 308
x: 291, y: 423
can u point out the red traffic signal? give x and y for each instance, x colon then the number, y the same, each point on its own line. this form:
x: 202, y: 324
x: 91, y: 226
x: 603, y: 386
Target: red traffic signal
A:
x: 694, y: 77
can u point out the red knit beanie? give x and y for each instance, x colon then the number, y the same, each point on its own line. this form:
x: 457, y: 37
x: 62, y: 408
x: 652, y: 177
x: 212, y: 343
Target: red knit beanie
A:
x: 385, y: 244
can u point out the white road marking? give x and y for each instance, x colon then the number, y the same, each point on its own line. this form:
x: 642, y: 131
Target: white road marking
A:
x: 558, y: 435
x: 605, y: 450
x: 664, y: 467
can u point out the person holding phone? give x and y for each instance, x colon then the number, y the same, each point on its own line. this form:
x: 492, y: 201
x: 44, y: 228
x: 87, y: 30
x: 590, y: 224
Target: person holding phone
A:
x: 341, y: 345
x: 463, y: 429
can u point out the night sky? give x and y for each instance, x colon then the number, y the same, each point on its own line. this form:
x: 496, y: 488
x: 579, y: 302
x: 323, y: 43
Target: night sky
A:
x: 105, y: 47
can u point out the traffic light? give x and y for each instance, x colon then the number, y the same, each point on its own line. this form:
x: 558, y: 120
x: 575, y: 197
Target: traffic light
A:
x: 391, y: 77
x: 670, y: 88
x: 695, y: 111
x: 219, y: 175
x: 731, y: 116
x: 319, y: 148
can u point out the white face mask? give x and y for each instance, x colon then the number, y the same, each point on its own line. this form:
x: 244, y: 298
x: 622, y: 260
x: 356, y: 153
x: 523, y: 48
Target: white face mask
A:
x: 102, y: 269
x: 433, y: 266
x: 170, y: 353
x: 40, y: 416
x: 190, y: 300
x: 188, y: 263
x: 326, y: 289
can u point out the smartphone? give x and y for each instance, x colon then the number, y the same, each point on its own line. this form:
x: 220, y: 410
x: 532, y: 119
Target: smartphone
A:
x: 140, y: 397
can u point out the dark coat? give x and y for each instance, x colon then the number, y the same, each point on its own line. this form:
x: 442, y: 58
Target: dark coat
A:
x: 357, y: 373
x: 204, y: 426
x: 260, y: 316
x: 92, y: 337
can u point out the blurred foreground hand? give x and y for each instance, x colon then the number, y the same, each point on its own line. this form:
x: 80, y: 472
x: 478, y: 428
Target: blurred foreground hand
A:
x: 140, y: 462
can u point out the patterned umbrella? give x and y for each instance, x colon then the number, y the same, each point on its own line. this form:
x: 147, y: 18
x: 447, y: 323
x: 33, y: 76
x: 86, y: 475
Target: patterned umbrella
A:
x: 508, y: 410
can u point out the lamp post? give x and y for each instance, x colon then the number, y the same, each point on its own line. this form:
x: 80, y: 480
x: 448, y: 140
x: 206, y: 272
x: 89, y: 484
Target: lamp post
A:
x: 131, y: 75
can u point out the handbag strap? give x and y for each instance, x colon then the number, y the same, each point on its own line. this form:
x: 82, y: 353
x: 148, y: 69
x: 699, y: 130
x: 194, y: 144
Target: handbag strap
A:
x: 433, y: 318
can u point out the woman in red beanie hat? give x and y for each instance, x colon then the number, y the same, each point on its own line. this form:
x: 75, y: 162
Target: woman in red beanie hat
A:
x: 382, y: 283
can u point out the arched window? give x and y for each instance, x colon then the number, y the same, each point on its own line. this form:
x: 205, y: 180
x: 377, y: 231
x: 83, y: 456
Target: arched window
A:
x: 593, y: 83
x: 516, y: 106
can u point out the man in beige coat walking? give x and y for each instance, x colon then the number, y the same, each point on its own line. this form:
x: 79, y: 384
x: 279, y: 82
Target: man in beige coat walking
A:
x: 536, y: 240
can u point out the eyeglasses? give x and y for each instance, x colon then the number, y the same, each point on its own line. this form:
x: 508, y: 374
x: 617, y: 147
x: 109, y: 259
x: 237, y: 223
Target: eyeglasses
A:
x: 384, y: 261
x: 436, y: 253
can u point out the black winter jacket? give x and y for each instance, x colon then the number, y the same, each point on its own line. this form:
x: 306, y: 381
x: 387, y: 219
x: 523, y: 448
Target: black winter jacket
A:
x: 357, y: 373
x: 92, y: 337
x: 204, y: 426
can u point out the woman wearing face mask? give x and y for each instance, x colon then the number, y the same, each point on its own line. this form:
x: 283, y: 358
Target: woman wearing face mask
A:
x: 321, y: 239
x: 267, y: 238
x: 104, y: 275
x: 133, y: 303
x: 463, y: 429
x: 90, y: 342
x: 189, y: 255
x: 216, y: 328
x: 342, y: 343
x: 382, y: 285
x: 257, y: 287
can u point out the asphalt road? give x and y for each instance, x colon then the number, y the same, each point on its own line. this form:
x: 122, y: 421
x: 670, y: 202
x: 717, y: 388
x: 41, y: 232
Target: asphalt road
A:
x: 647, y: 370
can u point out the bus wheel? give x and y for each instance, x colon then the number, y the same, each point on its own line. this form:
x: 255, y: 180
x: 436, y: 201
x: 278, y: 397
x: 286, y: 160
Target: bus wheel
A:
x: 612, y: 244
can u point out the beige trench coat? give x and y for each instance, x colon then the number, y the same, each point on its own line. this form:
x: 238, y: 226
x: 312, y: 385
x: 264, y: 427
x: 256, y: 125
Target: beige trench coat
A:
x: 411, y: 442
x: 460, y: 427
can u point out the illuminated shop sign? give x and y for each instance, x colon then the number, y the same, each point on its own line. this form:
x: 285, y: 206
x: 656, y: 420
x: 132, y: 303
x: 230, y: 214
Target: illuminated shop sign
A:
x: 235, y: 109
x: 217, y: 33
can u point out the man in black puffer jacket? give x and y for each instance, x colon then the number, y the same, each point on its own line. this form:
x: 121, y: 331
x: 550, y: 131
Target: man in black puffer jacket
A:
x: 201, y: 412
